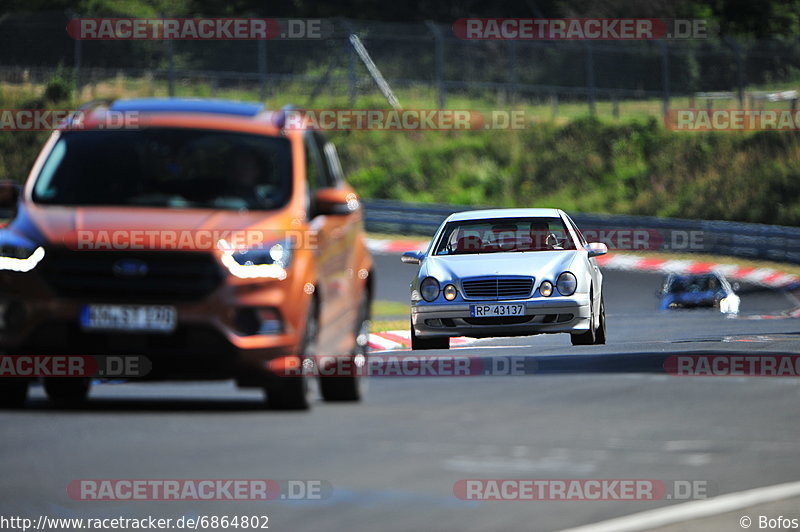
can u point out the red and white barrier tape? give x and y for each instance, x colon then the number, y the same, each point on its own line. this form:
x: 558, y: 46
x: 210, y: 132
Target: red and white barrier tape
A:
x: 760, y: 276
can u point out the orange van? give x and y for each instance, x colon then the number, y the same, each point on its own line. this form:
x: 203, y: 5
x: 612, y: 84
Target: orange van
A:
x: 199, y: 234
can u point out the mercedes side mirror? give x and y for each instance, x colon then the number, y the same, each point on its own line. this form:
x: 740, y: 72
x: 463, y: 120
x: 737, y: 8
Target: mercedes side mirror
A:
x: 412, y: 257
x: 596, y: 249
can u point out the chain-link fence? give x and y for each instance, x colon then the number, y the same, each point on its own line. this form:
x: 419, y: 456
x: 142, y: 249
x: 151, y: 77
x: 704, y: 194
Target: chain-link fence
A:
x: 426, y: 64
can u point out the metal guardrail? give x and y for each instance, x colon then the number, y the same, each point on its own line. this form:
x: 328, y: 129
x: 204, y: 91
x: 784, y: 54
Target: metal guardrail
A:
x: 746, y: 240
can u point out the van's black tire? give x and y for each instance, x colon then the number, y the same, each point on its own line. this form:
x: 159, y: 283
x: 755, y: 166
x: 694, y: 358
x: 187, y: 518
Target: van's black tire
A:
x: 13, y: 392
x: 292, y: 392
x: 67, y: 391
x: 351, y: 387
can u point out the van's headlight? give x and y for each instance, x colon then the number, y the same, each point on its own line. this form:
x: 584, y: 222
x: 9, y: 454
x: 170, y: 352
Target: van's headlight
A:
x: 279, y: 253
x: 18, y: 254
x: 429, y: 288
x: 265, y: 261
x: 566, y: 284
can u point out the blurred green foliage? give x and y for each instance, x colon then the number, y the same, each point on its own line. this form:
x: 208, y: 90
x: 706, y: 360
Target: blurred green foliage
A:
x: 588, y: 165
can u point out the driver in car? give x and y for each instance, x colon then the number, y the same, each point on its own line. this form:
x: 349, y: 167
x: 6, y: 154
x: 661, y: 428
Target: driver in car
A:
x: 248, y: 178
x: 543, y: 239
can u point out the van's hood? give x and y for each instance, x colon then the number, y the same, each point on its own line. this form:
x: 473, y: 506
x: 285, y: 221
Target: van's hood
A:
x: 539, y: 264
x: 156, y: 228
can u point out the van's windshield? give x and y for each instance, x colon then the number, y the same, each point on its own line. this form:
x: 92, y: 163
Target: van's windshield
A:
x: 178, y: 168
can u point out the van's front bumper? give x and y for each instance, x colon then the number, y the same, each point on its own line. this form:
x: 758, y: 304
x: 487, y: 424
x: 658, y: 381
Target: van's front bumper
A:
x: 207, y: 341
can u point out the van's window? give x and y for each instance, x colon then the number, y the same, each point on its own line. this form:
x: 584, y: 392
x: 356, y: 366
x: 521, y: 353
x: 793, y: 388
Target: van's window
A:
x: 335, y: 171
x: 313, y: 177
x: 177, y: 168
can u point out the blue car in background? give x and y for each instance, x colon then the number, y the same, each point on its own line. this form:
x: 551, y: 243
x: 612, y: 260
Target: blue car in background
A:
x: 704, y: 290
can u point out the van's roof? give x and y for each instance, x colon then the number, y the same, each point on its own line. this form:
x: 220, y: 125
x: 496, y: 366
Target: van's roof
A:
x: 188, y: 105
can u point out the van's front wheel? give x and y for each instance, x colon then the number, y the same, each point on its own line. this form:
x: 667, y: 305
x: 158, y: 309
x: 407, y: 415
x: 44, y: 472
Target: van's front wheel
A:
x: 351, y: 387
x: 13, y: 392
x: 67, y: 391
x: 292, y: 392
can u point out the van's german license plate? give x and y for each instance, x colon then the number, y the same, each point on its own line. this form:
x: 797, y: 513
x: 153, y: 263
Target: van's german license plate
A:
x: 144, y: 318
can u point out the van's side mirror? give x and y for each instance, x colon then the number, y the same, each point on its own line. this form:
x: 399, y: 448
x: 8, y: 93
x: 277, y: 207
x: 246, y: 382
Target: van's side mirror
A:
x: 412, y: 257
x: 335, y: 201
x: 9, y: 196
x: 596, y: 249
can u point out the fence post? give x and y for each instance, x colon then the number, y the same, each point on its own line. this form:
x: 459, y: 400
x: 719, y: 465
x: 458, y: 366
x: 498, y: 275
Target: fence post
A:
x: 664, y: 75
x: 262, y: 69
x: 590, y: 77
x: 170, y: 64
x: 351, y: 65
x: 353, y: 81
x: 737, y: 50
x: 438, y: 43
x: 171, y: 69
x: 78, y: 51
x: 513, y: 77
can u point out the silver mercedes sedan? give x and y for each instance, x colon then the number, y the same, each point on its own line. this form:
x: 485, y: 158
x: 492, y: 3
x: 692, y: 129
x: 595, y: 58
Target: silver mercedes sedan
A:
x: 507, y: 272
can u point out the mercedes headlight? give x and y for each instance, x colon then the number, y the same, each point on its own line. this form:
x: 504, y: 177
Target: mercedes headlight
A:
x: 450, y: 292
x: 546, y: 288
x: 566, y: 284
x: 429, y: 288
x: 264, y: 261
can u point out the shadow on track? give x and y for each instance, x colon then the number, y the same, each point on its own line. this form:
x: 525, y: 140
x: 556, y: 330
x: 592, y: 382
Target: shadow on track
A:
x: 149, y: 405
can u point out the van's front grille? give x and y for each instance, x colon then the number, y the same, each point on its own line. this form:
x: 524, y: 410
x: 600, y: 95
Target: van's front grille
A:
x: 132, y: 275
x: 498, y: 287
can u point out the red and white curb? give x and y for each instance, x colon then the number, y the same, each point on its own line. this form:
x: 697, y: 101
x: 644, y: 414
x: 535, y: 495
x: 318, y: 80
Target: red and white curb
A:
x: 395, y: 247
x: 391, y: 340
x: 759, y: 276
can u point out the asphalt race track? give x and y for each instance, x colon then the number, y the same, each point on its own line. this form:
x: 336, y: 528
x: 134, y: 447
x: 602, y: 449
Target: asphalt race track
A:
x: 598, y: 412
